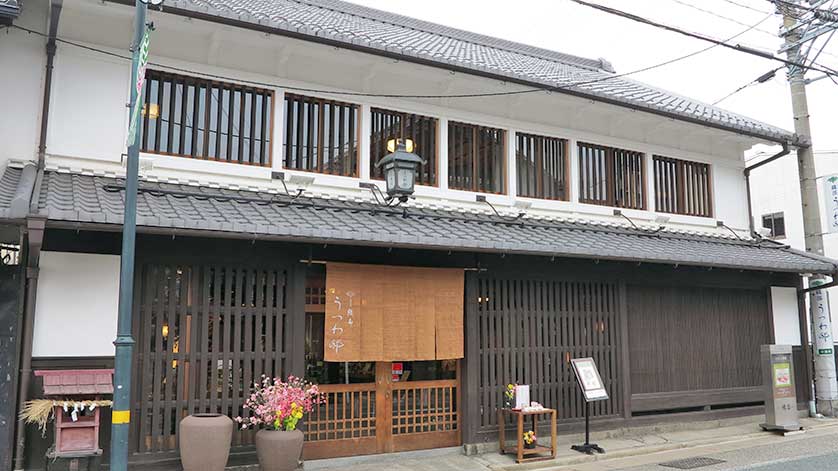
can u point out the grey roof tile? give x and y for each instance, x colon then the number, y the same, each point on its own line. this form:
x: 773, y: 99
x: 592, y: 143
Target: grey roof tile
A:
x: 377, y: 30
x: 81, y: 198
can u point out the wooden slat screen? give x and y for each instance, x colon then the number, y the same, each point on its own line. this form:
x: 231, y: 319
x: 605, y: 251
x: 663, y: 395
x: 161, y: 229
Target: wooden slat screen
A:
x: 682, y: 187
x: 716, y: 332
x: 206, y: 333
x: 530, y: 329
x: 205, y: 119
x: 422, y: 130
x: 541, y: 166
x: 610, y: 176
x: 425, y: 406
x: 320, y: 135
x: 386, y: 313
x: 476, y: 158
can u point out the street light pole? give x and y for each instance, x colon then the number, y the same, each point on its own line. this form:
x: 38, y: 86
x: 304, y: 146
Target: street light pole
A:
x: 124, y: 342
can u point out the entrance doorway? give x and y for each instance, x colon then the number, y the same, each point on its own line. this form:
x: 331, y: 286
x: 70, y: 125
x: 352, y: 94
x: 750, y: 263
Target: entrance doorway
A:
x: 375, y: 407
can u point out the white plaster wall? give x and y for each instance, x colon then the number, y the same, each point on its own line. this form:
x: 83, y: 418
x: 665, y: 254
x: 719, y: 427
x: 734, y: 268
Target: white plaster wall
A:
x: 76, y: 312
x: 784, y: 309
x: 775, y: 188
x: 88, y: 112
x: 22, y: 62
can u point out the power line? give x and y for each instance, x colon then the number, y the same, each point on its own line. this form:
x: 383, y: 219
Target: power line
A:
x: 737, y: 47
x: 748, y: 7
x: 379, y: 95
x: 761, y: 79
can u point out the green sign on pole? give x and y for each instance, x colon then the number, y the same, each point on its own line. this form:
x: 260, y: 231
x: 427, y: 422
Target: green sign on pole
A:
x: 824, y: 351
x: 142, y: 56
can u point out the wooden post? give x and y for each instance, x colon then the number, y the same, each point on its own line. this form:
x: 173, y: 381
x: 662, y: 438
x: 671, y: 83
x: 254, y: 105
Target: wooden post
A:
x: 296, y: 309
x: 471, y: 363
x: 625, y: 356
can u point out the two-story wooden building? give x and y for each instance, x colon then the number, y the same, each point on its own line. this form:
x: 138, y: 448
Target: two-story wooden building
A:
x: 263, y: 122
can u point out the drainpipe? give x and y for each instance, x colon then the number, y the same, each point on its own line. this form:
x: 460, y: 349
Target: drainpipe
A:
x: 774, y: 157
x: 35, y: 238
x: 55, y: 13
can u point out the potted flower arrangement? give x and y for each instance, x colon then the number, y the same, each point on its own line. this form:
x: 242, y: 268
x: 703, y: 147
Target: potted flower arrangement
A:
x: 509, y: 396
x: 530, y: 439
x: 275, y: 408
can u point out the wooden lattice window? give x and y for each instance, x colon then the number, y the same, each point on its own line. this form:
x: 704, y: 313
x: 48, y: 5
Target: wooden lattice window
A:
x: 476, y: 160
x: 320, y: 135
x: 682, y: 187
x: 611, y: 177
x: 422, y: 130
x: 194, y: 117
x: 541, y: 165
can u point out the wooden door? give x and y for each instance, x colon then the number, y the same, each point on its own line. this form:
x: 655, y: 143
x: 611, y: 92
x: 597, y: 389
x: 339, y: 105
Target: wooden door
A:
x: 384, y: 416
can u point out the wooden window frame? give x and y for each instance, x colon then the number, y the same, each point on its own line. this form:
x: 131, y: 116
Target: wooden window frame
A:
x: 432, y: 161
x: 354, y: 171
x: 610, y: 172
x: 164, y: 78
x: 474, y: 157
x: 538, y: 142
x: 683, y: 187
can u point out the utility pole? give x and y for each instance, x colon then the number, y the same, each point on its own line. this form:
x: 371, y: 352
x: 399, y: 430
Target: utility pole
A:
x: 121, y: 415
x: 826, y: 387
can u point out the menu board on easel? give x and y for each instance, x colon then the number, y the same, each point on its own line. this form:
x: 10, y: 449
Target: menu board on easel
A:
x: 589, y: 379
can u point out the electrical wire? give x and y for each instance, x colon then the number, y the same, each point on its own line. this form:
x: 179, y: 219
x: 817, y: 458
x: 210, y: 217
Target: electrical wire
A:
x: 378, y: 95
x: 748, y: 7
x: 737, y: 47
x: 761, y: 79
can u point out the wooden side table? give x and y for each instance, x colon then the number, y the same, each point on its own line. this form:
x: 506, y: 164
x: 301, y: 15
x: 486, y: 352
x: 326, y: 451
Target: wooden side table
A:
x: 527, y: 454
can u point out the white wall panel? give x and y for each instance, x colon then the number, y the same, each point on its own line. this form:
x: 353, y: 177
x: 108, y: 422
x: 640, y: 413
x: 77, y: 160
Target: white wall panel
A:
x: 76, y: 309
x: 784, y: 309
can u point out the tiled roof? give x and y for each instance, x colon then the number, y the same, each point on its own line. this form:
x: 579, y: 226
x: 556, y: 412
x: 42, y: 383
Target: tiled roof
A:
x: 75, y: 198
x: 76, y: 382
x: 9, y: 9
x: 376, y: 31
x: 15, y: 192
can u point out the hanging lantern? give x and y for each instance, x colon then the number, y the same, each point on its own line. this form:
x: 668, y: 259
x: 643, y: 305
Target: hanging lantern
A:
x: 400, y: 167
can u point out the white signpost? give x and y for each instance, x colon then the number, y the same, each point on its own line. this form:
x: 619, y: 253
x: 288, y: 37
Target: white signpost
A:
x: 830, y: 196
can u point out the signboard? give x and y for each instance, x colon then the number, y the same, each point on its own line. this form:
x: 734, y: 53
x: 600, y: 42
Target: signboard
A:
x: 822, y: 320
x: 781, y: 369
x: 830, y: 196
x: 589, y: 379
x: 142, y: 61
x: 522, y: 396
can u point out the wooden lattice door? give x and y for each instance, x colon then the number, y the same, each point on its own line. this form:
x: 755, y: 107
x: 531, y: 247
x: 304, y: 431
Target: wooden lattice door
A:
x: 205, y: 333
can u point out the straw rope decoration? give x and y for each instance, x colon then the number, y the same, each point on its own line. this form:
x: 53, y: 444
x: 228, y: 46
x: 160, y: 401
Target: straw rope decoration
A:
x: 41, y: 411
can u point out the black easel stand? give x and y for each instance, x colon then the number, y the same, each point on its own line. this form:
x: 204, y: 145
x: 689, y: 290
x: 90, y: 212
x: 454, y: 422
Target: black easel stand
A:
x: 588, y: 447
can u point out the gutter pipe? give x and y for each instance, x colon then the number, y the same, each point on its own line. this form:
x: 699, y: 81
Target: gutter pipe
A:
x: 747, y: 171
x: 35, y: 237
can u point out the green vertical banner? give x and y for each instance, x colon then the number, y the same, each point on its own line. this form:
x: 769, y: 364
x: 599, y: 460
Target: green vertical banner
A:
x: 142, y: 61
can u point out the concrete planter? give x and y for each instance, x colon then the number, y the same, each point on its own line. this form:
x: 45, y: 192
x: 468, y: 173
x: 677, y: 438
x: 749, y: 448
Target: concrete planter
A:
x: 279, y: 450
x: 205, y: 442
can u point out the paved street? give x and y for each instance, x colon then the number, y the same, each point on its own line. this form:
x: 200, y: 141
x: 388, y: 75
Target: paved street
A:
x: 805, y: 452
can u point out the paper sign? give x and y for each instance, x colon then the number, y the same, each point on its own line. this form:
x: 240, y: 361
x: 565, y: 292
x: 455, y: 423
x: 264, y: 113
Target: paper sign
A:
x: 522, y: 396
x: 830, y: 196
x: 589, y: 380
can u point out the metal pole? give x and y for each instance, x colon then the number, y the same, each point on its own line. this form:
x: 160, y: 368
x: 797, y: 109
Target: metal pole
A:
x: 820, y: 317
x: 124, y: 342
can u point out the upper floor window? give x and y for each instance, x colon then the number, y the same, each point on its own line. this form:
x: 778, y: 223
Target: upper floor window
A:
x: 320, y: 136
x: 387, y: 125
x: 541, y: 164
x: 776, y: 223
x: 682, y: 187
x: 199, y: 118
x: 611, y: 177
x: 476, y: 159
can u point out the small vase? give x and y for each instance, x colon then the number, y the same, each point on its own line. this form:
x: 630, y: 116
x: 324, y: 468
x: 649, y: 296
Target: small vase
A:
x: 279, y: 450
x: 529, y: 446
x: 204, y: 441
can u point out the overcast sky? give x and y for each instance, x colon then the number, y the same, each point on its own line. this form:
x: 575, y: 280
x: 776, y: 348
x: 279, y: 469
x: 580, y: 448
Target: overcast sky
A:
x: 564, y: 26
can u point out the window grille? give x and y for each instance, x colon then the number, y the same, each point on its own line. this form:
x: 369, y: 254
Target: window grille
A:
x: 682, y: 187
x: 476, y: 158
x: 610, y: 176
x: 320, y: 135
x: 422, y: 130
x: 541, y: 164
x: 203, y: 119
